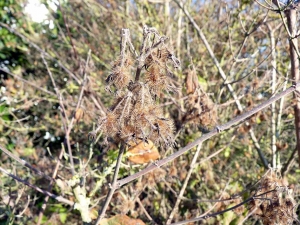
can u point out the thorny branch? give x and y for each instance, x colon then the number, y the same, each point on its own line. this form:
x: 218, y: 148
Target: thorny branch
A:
x: 209, y: 135
x: 24, y: 163
x: 58, y: 198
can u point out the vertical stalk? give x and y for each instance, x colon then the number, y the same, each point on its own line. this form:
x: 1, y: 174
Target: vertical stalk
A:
x: 292, y: 25
x: 275, y: 154
x: 113, y: 186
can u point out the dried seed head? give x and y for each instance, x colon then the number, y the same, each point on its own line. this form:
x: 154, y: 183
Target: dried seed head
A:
x: 157, y: 80
x: 278, y: 204
x: 120, y: 77
x: 134, y: 115
x: 201, y: 109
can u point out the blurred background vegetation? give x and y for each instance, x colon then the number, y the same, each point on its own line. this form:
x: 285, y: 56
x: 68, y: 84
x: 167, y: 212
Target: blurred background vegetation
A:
x: 33, y: 128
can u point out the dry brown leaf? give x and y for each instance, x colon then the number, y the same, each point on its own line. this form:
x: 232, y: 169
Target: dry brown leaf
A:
x: 79, y: 114
x: 121, y: 220
x: 191, y: 82
x: 143, y: 153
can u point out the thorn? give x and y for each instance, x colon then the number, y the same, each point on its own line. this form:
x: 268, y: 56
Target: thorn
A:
x: 156, y: 164
x: 219, y: 129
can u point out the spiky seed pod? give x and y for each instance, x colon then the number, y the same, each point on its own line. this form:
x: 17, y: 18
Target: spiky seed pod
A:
x: 127, y: 133
x: 156, y: 80
x: 121, y: 74
x: 139, y: 118
x: 163, y: 54
x: 164, y: 130
x: 110, y: 123
x: 120, y: 77
x: 127, y: 62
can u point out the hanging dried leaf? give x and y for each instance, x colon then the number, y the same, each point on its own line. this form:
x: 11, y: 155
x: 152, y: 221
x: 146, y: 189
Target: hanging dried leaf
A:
x: 121, y: 220
x: 191, y: 82
x: 143, y: 153
x: 79, y: 114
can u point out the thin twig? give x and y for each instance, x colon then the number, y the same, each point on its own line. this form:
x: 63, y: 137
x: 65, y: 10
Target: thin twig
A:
x: 144, y: 210
x: 224, y: 77
x: 59, y: 96
x: 113, y: 186
x: 58, y: 198
x: 184, y: 185
x: 209, y: 135
x: 27, y: 82
x: 24, y: 163
x: 201, y: 218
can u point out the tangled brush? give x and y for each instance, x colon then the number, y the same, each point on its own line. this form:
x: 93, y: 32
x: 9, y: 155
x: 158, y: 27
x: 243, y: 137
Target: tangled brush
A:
x: 275, y: 204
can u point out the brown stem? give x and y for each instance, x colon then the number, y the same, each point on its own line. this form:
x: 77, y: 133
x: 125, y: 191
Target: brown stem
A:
x: 292, y: 25
x: 24, y: 163
x: 58, y: 198
x: 207, y: 136
x: 41, y: 213
x: 113, y: 186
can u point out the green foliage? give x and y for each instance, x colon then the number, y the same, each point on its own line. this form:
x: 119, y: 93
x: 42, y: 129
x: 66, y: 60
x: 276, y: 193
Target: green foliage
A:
x: 12, y: 48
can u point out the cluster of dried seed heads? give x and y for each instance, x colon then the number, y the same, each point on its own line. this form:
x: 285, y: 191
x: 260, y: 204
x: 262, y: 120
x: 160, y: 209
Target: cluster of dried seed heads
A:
x: 274, y: 203
x: 135, y: 114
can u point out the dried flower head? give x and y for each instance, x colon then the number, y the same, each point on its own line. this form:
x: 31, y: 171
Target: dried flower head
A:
x: 274, y: 201
x: 135, y: 116
x: 201, y: 109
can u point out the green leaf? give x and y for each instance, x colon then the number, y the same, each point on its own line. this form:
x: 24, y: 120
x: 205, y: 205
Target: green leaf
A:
x: 229, y: 216
x: 10, y: 146
x: 3, y: 109
x: 6, y: 117
x: 63, y: 217
x: 227, y: 152
x: 29, y: 151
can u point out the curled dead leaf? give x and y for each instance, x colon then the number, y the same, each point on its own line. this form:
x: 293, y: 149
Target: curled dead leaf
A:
x: 143, y: 152
x: 79, y: 114
x: 191, y: 82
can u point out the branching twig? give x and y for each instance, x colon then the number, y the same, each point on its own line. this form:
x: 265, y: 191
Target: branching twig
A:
x: 64, y: 113
x: 24, y: 163
x: 184, y: 185
x: 39, y: 49
x: 224, y: 77
x: 58, y: 198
